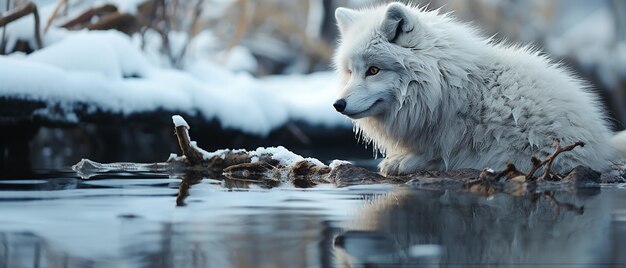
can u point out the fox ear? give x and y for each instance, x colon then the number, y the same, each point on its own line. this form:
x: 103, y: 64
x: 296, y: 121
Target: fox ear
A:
x: 344, y: 17
x: 397, y: 24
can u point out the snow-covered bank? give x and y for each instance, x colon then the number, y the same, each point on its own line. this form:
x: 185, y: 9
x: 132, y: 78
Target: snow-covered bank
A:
x: 107, y: 72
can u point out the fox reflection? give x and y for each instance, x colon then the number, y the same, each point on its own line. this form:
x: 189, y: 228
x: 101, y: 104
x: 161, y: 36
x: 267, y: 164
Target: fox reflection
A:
x: 433, y: 228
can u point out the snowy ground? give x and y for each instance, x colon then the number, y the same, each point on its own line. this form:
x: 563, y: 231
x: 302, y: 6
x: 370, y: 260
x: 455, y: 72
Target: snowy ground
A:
x: 108, y: 71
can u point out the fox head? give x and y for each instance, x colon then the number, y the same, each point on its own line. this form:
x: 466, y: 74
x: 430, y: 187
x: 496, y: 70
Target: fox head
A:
x: 370, y: 58
x: 401, y: 68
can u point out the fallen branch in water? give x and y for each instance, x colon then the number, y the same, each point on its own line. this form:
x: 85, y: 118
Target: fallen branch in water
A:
x: 270, y: 167
x: 274, y: 166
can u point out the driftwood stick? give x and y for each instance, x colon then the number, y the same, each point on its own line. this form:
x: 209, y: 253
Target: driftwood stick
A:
x: 87, y: 168
x: 23, y: 11
x: 194, y: 157
x: 259, y: 166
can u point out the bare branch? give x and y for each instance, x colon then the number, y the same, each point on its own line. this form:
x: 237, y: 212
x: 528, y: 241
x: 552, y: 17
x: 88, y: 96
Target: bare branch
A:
x: 85, y: 17
x: 536, y: 163
x: 21, y: 12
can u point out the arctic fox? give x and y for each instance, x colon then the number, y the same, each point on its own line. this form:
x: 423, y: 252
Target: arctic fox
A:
x: 432, y: 94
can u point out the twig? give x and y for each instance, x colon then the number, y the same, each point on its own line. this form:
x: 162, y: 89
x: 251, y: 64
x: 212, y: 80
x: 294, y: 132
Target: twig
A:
x: 23, y: 11
x: 536, y: 163
x: 54, y: 14
x: 557, y: 151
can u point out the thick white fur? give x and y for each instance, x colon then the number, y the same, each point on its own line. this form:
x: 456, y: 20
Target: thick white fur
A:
x: 448, y: 98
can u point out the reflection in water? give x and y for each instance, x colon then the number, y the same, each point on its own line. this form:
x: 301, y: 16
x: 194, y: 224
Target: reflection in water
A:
x: 187, y: 180
x: 450, y: 228
x: 133, y: 223
x: 119, y: 222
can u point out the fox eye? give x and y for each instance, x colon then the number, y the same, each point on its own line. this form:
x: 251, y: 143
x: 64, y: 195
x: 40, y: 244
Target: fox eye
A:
x: 349, y: 72
x: 373, y: 70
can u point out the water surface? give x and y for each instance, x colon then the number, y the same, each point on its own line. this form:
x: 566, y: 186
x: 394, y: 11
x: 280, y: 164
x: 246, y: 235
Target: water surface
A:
x: 155, y: 221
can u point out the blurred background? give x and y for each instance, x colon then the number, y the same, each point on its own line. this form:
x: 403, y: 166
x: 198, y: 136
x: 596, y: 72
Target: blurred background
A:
x: 260, y: 40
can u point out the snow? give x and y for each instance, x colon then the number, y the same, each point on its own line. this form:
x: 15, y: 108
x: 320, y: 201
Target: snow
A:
x: 336, y: 163
x: 172, y: 157
x: 180, y: 121
x: 107, y: 71
x: 284, y: 156
x: 116, y: 57
x: 206, y: 155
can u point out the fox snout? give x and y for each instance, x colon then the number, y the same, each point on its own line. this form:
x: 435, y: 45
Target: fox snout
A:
x: 340, y: 105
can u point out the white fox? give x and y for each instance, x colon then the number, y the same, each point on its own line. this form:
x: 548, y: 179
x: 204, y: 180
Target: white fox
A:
x: 431, y: 93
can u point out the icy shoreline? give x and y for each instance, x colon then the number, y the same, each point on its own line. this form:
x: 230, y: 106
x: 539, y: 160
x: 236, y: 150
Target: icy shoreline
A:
x: 106, y: 72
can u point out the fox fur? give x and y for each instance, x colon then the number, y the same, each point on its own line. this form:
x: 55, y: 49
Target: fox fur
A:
x: 445, y: 97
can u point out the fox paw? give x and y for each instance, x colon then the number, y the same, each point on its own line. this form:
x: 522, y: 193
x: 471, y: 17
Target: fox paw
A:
x: 400, y: 165
x: 389, y: 166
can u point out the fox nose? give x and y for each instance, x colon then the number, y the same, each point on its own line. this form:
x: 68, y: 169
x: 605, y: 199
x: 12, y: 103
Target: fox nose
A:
x: 340, y: 105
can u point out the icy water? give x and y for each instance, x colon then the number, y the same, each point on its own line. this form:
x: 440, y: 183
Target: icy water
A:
x: 154, y: 221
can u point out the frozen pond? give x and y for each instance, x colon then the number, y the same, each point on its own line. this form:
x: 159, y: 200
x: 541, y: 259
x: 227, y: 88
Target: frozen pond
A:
x: 149, y: 221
